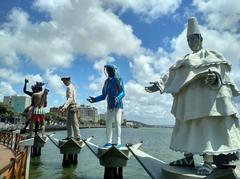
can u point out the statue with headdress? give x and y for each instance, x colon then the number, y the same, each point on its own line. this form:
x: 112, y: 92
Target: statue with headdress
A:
x: 206, y: 116
x: 39, y: 102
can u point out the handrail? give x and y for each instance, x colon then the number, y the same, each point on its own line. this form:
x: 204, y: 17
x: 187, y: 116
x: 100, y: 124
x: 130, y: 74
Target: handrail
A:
x: 6, y: 167
x: 17, y: 165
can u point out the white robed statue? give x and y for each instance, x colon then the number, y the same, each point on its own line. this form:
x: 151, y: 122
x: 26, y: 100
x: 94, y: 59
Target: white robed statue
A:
x: 206, y: 117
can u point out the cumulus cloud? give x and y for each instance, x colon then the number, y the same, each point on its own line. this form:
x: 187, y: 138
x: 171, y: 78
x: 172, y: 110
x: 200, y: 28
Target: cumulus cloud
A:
x: 6, y: 90
x: 75, y: 27
x: 142, y: 68
x: 55, y: 83
x: 220, y: 15
x: 149, y: 108
x: 39, y: 42
x: 149, y: 10
x: 15, y: 77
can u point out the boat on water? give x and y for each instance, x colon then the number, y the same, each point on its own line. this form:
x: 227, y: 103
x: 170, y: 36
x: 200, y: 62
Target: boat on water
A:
x: 158, y: 169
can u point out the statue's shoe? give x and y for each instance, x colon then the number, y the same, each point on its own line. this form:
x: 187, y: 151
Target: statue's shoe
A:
x: 205, y: 169
x: 185, y: 162
x: 118, y: 146
x: 108, y: 145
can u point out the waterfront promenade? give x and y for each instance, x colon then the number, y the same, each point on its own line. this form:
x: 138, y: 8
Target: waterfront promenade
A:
x: 5, y: 157
x: 15, y: 155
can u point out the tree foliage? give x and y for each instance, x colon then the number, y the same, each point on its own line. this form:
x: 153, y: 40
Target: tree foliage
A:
x: 6, y: 111
x: 53, y: 117
x: 102, y: 122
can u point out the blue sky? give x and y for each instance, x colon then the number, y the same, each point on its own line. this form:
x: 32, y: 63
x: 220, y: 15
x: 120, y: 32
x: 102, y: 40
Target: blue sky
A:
x: 44, y: 40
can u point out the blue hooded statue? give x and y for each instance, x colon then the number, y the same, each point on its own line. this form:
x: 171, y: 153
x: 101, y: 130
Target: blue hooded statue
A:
x: 113, y: 90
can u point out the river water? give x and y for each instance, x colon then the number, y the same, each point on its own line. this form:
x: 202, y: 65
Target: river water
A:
x: 155, y: 142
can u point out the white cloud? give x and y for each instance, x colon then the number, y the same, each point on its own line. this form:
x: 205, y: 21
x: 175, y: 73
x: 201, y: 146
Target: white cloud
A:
x: 91, y: 77
x: 221, y: 15
x: 143, y: 70
x: 6, y: 90
x: 55, y: 83
x: 148, y: 108
x: 15, y: 77
x: 75, y: 27
x: 39, y: 42
x: 149, y: 10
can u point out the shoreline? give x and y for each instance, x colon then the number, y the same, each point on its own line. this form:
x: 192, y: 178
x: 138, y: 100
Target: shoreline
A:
x: 12, y: 127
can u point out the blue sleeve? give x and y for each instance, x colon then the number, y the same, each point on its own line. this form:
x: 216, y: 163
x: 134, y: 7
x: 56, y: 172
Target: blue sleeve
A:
x: 104, y: 93
x: 122, y: 93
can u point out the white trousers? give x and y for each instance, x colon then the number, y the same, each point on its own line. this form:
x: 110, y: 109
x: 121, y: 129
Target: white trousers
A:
x: 113, y: 114
x: 72, y: 125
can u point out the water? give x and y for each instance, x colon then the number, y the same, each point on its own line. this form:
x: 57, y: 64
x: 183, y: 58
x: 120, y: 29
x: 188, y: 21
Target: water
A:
x: 155, y: 142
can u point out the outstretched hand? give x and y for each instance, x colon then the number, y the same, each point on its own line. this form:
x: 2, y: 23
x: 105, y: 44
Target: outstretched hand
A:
x: 26, y: 81
x: 91, y: 99
x: 211, y: 77
x: 61, y: 108
x: 153, y: 88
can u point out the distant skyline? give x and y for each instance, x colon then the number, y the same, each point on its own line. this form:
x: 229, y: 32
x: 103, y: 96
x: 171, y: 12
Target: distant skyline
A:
x: 44, y: 40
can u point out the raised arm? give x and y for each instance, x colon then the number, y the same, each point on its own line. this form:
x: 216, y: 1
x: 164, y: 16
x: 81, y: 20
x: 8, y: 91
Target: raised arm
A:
x: 25, y: 88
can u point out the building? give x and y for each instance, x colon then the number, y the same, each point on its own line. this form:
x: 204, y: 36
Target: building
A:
x: 103, y: 116
x: 85, y: 113
x: 88, y: 114
x: 19, y: 103
x: 57, y: 111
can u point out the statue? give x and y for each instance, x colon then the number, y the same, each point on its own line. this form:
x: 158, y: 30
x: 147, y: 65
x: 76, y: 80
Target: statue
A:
x: 28, y: 110
x: 39, y: 102
x: 113, y: 90
x: 206, y: 117
x: 71, y: 106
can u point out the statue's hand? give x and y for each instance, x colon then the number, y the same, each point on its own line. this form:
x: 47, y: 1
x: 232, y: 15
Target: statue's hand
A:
x: 116, y: 101
x: 153, y: 88
x: 62, y: 109
x: 91, y: 99
x: 211, y: 77
x: 46, y: 91
x: 26, y: 81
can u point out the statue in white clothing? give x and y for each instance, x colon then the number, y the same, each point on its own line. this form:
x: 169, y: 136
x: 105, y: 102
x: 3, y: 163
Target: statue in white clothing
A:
x: 206, y: 122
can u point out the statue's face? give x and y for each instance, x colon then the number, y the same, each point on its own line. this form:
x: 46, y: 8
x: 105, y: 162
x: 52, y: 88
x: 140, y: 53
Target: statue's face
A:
x: 66, y: 82
x: 194, y: 42
x: 110, y: 71
x: 34, y: 89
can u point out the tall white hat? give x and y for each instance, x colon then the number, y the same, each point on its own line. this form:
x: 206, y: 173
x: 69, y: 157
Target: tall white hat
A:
x: 193, y: 27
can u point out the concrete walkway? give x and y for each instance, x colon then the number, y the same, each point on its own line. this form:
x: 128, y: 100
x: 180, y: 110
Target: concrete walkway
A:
x: 5, y: 155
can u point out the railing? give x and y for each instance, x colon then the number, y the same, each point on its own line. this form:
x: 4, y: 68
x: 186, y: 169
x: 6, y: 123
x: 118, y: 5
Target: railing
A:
x: 16, y: 168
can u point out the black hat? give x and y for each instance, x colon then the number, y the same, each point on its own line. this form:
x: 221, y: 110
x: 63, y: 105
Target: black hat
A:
x: 39, y: 84
x: 67, y: 78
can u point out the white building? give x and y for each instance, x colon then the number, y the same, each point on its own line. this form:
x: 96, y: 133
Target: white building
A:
x: 88, y: 113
